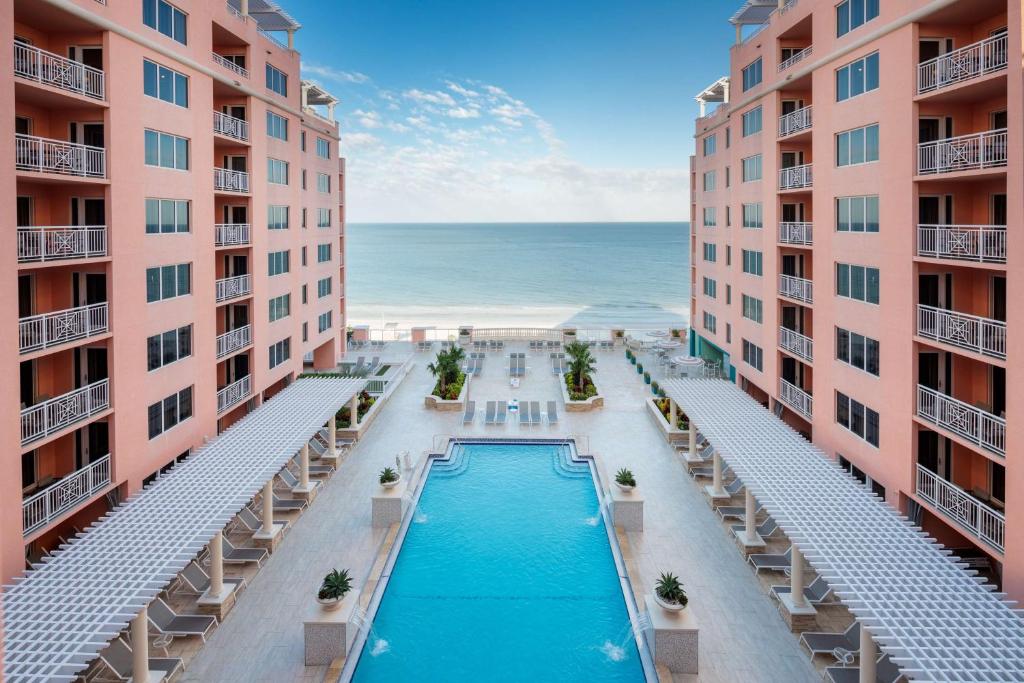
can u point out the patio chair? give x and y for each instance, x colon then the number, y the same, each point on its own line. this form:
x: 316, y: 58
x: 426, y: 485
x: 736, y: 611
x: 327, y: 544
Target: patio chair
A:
x: 502, y: 412
x: 470, y: 414
x: 708, y: 471
x: 771, y: 562
x: 248, y: 519
x: 764, y: 529
x: 194, y: 580
x: 885, y: 672
x: 169, y: 623
x: 552, y: 413
x: 288, y: 504
x: 535, y: 412
x: 823, y: 642
x: 359, y: 366
x: 490, y: 417
x: 290, y: 481
x: 817, y: 593
x: 236, y: 555
x: 117, y: 658
x: 478, y: 365
x: 315, y: 470
x: 317, y: 448
x: 374, y: 364
x: 735, y: 511
x: 524, y: 412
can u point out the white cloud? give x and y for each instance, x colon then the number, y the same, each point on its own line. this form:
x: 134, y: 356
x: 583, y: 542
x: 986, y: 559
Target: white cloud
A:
x: 464, y: 113
x: 434, y: 97
x: 354, y: 141
x: 465, y: 92
x: 368, y: 119
x: 332, y: 74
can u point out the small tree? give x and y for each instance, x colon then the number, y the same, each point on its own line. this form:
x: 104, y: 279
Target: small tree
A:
x: 581, y: 362
x: 446, y: 367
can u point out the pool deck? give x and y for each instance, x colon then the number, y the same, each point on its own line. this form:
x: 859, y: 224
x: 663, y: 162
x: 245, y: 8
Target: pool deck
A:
x: 742, y: 638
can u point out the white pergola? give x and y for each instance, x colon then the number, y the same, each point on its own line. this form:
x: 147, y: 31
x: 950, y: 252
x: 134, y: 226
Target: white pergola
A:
x: 934, y: 619
x: 61, y: 614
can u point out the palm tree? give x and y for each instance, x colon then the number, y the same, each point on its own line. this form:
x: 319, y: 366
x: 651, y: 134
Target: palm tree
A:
x: 446, y: 366
x: 581, y: 363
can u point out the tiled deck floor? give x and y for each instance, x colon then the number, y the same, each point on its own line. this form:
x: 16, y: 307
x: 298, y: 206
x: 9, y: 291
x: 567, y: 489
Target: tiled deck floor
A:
x: 742, y: 636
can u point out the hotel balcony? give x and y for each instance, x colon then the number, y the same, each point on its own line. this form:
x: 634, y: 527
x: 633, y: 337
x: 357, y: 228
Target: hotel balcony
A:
x: 49, y: 69
x: 797, y: 288
x: 230, y: 127
x: 976, y: 243
x: 797, y: 344
x: 61, y: 327
x: 797, y: 177
x: 61, y: 243
x: 970, y: 423
x: 55, y: 414
x: 796, y: 398
x: 796, y: 233
x: 65, y: 495
x: 234, y: 393
x: 960, y: 507
x: 227, y: 180
x: 795, y: 122
x: 796, y: 58
x: 972, y: 152
x: 232, y: 234
x: 229, y: 65
x: 983, y: 336
x: 235, y: 340
x: 233, y: 287
x: 965, y: 64
x: 43, y: 155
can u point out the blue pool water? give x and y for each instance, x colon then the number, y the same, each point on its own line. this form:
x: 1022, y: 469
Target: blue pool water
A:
x: 505, y: 574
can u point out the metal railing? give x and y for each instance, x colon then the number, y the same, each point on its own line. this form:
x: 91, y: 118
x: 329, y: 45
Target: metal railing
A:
x: 973, y: 424
x: 65, y: 495
x: 982, y: 521
x: 231, y: 127
x: 229, y: 65
x: 963, y: 153
x: 795, y: 121
x: 796, y: 398
x: 798, y: 232
x: 229, y: 234
x: 231, y: 287
x: 978, y: 243
x: 274, y: 39
x: 60, y: 243
x: 796, y: 57
x: 230, y: 181
x: 60, y: 327
x: 234, y: 393
x: 44, y: 155
x: 796, y: 343
x: 971, y: 332
x: 229, y: 342
x: 795, y: 177
x: 969, y: 62
x: 60, y: 72
x: 55, y: 414
x: 797, y: 288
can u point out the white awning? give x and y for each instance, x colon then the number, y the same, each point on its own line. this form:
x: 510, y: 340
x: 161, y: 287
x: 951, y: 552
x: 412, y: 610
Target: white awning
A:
x: 317, y: 95
x: 716, y: 92
x: 754, y: 12
x: 934, y: 619
x: 268, y: 15
x: 60, y: 615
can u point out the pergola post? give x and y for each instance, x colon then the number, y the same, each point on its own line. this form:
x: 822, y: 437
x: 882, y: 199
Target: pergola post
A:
x: 217, y: 564
x: 354, y: 411
x: 672, y: 414
x: 304, y: 490
x: 868, y: 656
x: 797, y: 612
x: 140, y: 646
x: 304, y: 95
x: 703, y: 107
x: 796, y: 577
x: 739, y: 33
x: 219, y: 597
x: 268, y: 536
x: 243, y: 8
x: 332, y: 441
x: 330, y: 110
x: 748, y: 538
x: 716, y: 492
x: 291, y: 39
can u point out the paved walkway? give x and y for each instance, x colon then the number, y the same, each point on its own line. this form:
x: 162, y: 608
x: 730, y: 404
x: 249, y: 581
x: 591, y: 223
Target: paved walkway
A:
x: 742, y: 636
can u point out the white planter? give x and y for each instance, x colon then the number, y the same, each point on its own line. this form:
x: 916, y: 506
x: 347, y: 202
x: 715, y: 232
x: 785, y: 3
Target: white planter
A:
x: 667, y: 606
x: 624, y: 487
x: 392, y: 484
x: 331, y: 604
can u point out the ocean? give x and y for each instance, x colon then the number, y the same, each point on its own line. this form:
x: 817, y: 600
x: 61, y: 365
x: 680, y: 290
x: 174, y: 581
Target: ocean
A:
x: 596, y: 275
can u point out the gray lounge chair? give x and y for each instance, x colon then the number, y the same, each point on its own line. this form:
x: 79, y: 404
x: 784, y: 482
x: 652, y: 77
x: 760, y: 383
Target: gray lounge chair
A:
x: 764, y: 529
x: 490, y: 417
x: 470, y: 414
x: 818, y: 592
x: 552, y: 412
x: 248, y: 519
x: 771, y: 561
x: 317, y: 447
x: 524, y: 412
x: 235, y: 555
x: 117, y: 657
x: 290, y: 480
x: 288, y: 504
x: 708, y: 471
x: 535, y: 416
x: 735, y: 511
x: 193, y: 579
x: 374, y: 364
x: 502, y: 412
x: 885, y: 672
x: 169, y: 623
x: 315, y: 470
x: 478, y: 365
x: 823, y: 643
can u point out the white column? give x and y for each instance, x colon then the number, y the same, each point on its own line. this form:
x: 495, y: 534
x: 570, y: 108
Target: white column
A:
x: 782, y: 3
x: 304, y: 467
x: 750, y: 516
x: 330, y: 110
x: 217, y: 565
x: 291, y: 39
x: 716, y: 472
x: 268, y: 508
x: 739, y: 34
x: 868, y: 655
x: 332, y: 441
x: 140, y: 646
x: 673, y: 418
x: 304, y: 95
x: 693, y: 440
x: 725, y: 91
x: 796, y: 580
x: 703, y: 107
x: 354, y: 411
x: 243, y: 7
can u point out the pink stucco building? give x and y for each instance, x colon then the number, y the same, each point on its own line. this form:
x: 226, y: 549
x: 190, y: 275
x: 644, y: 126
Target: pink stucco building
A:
x: 174, y: 196
x: 854, y: 194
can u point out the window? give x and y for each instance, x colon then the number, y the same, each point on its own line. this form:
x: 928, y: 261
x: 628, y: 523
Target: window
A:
x: 857, y: 214
x: 323, y: 183
x: 303, y: 256
x: 857, y: 282
x: 277, y: 171
x: 857, y: 146
x: 323, y: 148
x: 857, y: 418
x: 163, y: 349
x: 710, y: 252
x: 277, y: 126
x: 753, y: 309
x: 857, y: 350
x: 277, y: 81
x: 709, y: 145
x: 753, y: 262
x: 728, y: 254
x: 751, y: 168
x: 303, y: 217
x: 166, y: 413
x: 753, y: 355
x: 710, y: 322
x: 305, y: 294
x: 752, y: 121
x: 323, y: 253
x: 853, y: 13
x: 168, y: 282
x: 277, y: 262
x: 752, y: 74
x: 166, y: 150
x: 710, y: 288
x: 303, y: 175
x: 280, y: 307
x: 728, y: 216
x: 710, y: 219
x: 728, y: 333
x: 164, y: 84
x: 753, y: 216
x: 324, y: 321
x: 165, y: 18
x: 305, y: 332
x: 302, y: 140
x: 323, y: 287
x: 709, y: 181
x: 728, y: 295
x: 323, y: 218
x: 857, y: 78
x: 167, y: 215
x: 280, y: 352
x: 277, y: 217
x: 727, y: 176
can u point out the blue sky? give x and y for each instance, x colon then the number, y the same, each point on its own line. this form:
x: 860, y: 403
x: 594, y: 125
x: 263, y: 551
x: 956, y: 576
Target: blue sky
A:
x: 502, y: 111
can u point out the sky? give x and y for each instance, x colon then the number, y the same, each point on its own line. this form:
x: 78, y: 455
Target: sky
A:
x: 486, y: 111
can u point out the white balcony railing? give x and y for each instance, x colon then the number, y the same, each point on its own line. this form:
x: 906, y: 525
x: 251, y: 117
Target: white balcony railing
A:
x: 55, y: 414
x: 57, y: 156
x: 60, y: 243
x: 797, y: 288
x: 229, y: 65
x: 232, y: 287
x: 796, y: 233
x: 59, y: 72
x: 796, y: 343
x: 60, y: 327
x: 234, y: 393
x: 978, y: 243
x: 795, y: 121
x: 65, y: 495
x: 985, y: 523
x: 228, y: 180
x: 969, y: 422
x: 796, y: 398
x: 971, y: 332
x: 229, y: 126
x: 795, y: 177
x: 231, y: 234
x: 796, y: 57
x: 229, y: 342
x: 969, y: 62
x: 963, y: 153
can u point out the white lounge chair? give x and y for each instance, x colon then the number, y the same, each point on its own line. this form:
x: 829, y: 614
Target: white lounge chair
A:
x: 764, y: 529
x: 552, y: 412
x: 470, y: 414
x: 885, y: 672
x: 524, y: 412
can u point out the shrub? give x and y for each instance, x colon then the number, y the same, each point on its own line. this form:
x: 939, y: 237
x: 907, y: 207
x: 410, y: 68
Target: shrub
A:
x: 647, y: 378
x: 639, y: 368
x: 670, y: 589
x: 589, y: 388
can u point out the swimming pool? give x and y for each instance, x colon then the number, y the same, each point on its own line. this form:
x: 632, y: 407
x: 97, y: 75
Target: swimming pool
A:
x: 505, y: 573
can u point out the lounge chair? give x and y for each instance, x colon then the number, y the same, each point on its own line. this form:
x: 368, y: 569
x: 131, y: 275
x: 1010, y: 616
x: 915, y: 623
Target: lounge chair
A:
x: 235, y: 555
x: 764, y: 529
x: 288, y: 504
x: 885, y: 672
x: 708, y: 471
x: 478, y: 365
x: 194, y: 579
x: 170, y: 623
x: 735, y: 511
x: 117, y: 657
x: 771, y: 561
x: 470, y: 414
x: 250, y: 521
x: 524, y: 412
x: 818, y: 592
x: 502, y: 412
x: 291, y: 481
x: 552, y: 413
x: 535, y: 417
x: 360, y: 365
x: 490, y: 417
x: 315, y: 470
x: 823, y: 642
x: 317, y: 447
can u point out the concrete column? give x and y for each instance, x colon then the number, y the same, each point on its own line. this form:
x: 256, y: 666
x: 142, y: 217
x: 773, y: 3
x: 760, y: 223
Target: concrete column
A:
x: 304, y: 96
x: 739, y: 34
x: 725, y: 91
x: 354, y: 410
x: 304, y: 467
x: 332, y: 442
x: 796, y: 580
x: 217, y: 564
x: 703, y: 107
x: 268, y: 508
x: 673, y: 416
x: 291, y: 39
x: 782, y: 3
x: 243, y: 7
x: 716, y: 473
x: 330, y: 110
x: 868, y: 655
x: 750, y: 516
x: 693, y: 441
x: 140, y: 646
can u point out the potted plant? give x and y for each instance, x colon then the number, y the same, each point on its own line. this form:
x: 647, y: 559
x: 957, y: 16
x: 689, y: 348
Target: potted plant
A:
x: 669, y: 593
x: 625, y: 480
x: 654, y: 387
x: 639, y: 368
x: 661, y: 393
x: 675, y: 333
x: 647, y: 378
x: 333, y: 589
x: 389, y: 478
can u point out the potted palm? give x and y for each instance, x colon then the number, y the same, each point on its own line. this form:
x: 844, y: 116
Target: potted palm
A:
x: 333, y: 589
x: 625, y: 480
x: 639, y: 368
x: 669, y: 593
x: 647, y: 378
x: 389, y: 478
